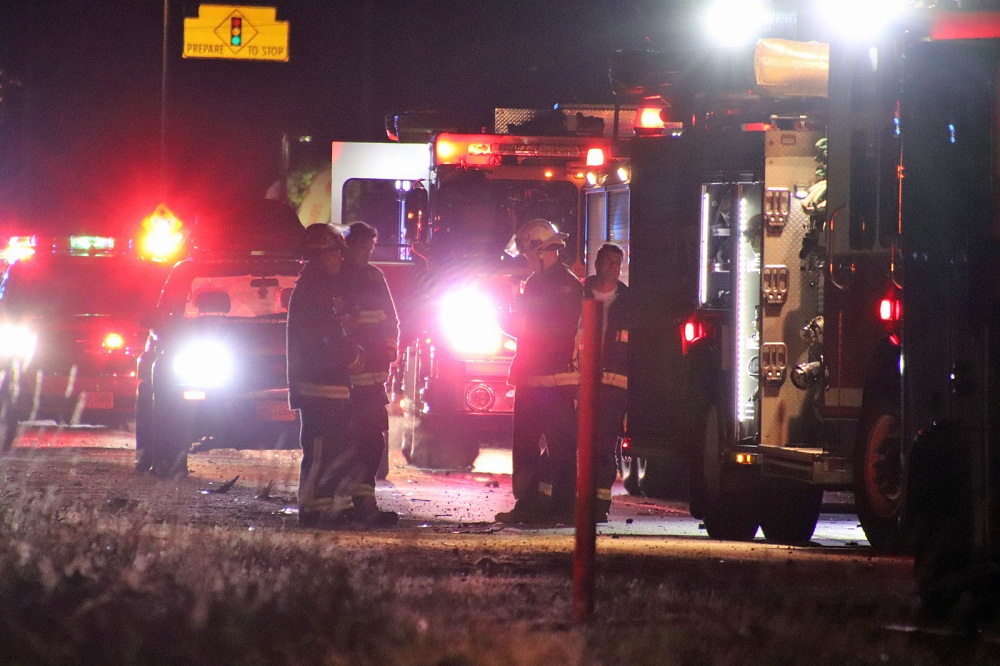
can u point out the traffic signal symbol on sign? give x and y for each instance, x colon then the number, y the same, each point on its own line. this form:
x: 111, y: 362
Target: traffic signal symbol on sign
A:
x: 235, y: 31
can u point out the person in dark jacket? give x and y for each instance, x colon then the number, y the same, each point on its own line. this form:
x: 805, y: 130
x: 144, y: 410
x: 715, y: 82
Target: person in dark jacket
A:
x: 545, y: 323
x: 319, y: 358
x: 372, y: 323
x: 607, y: 288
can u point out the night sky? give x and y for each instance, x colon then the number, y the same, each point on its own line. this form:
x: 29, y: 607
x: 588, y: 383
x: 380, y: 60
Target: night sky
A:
x: 80, y: 119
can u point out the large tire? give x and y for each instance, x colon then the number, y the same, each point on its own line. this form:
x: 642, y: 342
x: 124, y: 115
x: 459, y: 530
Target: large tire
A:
x: 438, y: 442
x: 10, y: 413
x: 878, y: 475
x: 789, y: 510
x: 662, y: 478
x: 724, y: 499
x: 144, y: 428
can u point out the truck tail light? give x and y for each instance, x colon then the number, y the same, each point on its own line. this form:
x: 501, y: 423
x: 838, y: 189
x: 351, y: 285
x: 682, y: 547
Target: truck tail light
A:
x: 692, y: 331
x: 890, y: 309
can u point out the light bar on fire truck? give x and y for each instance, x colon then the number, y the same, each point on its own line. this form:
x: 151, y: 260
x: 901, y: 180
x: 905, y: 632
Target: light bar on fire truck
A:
x: 493, y: 149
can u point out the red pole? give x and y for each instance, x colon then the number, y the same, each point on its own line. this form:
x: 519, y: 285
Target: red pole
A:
x: 586, y: 525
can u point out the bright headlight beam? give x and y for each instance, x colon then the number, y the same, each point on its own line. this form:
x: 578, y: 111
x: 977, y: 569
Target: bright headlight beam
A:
x: 17, y: 342
x: 203, y: 363
x: 735, y: 22
x: 860, y: 20
x: 468, y: 320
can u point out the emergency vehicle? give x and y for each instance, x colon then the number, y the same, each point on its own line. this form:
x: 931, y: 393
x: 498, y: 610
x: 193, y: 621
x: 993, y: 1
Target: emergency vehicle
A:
x: 69, y: 330
x: 816, y: 258
x: 446, y: 203
x: 213, y: 370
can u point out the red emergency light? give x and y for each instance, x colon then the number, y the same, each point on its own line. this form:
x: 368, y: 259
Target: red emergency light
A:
x: 965, y: 25
x: 890, y: 309
x: 495, y: 149
x: 692, y: 331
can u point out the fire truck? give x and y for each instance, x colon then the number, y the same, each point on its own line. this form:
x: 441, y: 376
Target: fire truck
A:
x: 446, y: 198
x: 816, y: 255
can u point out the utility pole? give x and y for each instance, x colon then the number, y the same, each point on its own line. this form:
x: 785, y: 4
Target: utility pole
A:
x: 163, y: 103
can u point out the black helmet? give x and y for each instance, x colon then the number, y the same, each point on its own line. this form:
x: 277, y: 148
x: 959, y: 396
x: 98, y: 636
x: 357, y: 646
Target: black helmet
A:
x: 319, y: 238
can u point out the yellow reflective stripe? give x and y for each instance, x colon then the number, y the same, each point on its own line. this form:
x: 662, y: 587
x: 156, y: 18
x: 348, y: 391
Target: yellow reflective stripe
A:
x: 544, y: 381
x: 604, y: 494
x: 363, y: 490
x: 332, y: 505
x: 323, y: 391
x: 614, y: 379
x: 369, y: 379
x: 370, y: 317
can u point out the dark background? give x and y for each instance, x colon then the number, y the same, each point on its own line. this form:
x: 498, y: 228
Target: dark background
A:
x: 80, y: 116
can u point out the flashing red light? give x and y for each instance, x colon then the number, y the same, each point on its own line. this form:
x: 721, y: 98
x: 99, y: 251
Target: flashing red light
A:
x: 894, y: 339
x: 965, y: 25
x: 755, y: 127
x: 163, y: 235
x: 692, y: 331
x: 113, y: 341
x: 890, y: 309
x: 18, y: 248
x: 650, y: 118
x: 595, y: 157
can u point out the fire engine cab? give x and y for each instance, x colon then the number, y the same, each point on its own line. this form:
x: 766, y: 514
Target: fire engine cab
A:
x: 815, y: 253
x: 446, y: 200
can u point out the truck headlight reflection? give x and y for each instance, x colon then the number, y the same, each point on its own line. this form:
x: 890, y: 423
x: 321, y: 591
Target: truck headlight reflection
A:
x: 17, y: 342
x: 469, y: 322
x: 203, y: 363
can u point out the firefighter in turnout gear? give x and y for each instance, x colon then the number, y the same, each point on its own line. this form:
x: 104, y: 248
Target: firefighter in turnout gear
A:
x: 545, y: 323
x: 319, y: 358
x: 372, y: 323
x: 606, y: 287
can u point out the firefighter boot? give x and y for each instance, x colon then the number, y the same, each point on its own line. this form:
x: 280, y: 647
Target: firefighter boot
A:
x: 366, y: 514
x: 534, y: 510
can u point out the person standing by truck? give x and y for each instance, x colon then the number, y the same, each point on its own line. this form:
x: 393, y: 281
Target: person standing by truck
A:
x: 373, y: 324
x: 545, y: 323
x: 607, y: 288
x: 319, y: 358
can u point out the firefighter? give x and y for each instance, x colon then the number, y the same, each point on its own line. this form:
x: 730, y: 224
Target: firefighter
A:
x: 320, y: 357
x: 374, y: 326
x: 606, y: 286
x: 545, y: 322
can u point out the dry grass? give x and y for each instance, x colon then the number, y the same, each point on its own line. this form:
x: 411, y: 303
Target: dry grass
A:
x: 120, y: 580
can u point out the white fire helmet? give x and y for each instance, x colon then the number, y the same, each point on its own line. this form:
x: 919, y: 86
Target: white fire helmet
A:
x: 535, y: 236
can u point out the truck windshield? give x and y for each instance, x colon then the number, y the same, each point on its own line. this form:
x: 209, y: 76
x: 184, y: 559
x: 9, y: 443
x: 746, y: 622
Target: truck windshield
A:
x: 476, y: 216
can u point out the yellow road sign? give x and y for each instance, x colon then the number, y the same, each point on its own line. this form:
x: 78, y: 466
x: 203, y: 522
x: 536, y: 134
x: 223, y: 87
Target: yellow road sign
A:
x: 236, y: 33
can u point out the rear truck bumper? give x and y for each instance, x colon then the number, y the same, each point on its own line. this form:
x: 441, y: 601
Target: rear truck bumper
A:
x: 87, y: 398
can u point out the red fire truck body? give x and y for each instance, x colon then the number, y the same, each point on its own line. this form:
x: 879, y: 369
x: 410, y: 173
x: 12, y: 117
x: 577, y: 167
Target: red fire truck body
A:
x: 446, y: 205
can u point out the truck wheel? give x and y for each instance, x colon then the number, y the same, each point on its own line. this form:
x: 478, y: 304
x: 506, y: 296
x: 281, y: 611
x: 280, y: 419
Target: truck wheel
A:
x: 144, y: 428
x: 171, y: 443
x: 439, y: 443
x: 789, y: 510
x: 628, y: 468
x: 662, y: 478
x: 878, y: 475
x: 725, y: 501
x: 9, y: 412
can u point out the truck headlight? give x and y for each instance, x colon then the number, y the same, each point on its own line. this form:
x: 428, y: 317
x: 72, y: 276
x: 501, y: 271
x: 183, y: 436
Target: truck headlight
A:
x: 17, y: 342
x: 203, y: 363
x: 469, y: 322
